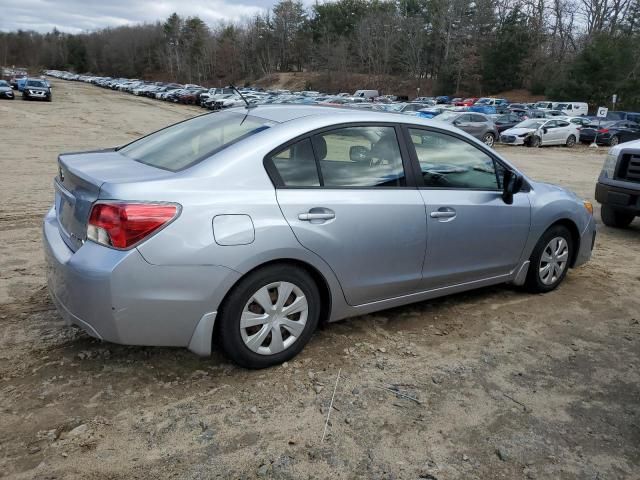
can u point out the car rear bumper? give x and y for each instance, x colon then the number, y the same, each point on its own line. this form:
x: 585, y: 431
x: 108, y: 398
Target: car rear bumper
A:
x: 119, y: 297
x: 603, y: 139
x: 620, y: 198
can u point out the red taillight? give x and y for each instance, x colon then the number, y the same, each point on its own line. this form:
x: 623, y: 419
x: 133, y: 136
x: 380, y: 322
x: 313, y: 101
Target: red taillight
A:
x: 603, y: 130
x: 122, y: 225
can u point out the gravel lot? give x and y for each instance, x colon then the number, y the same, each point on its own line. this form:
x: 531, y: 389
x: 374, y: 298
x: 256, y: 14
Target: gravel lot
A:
x: 506, y: 384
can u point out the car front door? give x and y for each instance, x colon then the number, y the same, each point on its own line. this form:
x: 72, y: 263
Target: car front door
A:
x: 548, y: 133
x: 347, y: 198
x: 472, y: 234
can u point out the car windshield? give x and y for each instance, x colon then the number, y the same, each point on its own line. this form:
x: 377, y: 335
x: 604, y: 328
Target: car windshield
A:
x: 36, y: 83
x: 482, y: 101
x: 531, y: 124
x: 182, y: 145
x: 448, y: 116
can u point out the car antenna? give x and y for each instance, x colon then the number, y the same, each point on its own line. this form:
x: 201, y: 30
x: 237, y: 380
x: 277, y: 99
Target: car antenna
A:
x: 242, y: 97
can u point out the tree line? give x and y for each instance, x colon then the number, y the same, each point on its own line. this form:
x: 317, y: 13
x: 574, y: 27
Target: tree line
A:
x: 569, y: 49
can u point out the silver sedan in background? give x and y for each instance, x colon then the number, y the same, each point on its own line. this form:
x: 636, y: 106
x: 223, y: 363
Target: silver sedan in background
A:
x: 252, y: 226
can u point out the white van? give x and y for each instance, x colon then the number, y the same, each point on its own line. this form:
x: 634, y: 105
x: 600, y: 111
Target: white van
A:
x: 574, y: 109
x: 544, y: 105
x: 366, y: 94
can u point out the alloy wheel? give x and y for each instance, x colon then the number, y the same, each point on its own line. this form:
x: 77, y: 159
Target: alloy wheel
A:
x: 274, y: 318
x: 489, y: 140
x: 553, y: 260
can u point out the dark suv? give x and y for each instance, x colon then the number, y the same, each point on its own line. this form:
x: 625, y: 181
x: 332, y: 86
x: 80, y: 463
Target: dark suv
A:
x: 35, y: 89
x: 618, y: 188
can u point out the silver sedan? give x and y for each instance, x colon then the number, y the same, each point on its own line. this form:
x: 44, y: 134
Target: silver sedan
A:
x: 252, y: 226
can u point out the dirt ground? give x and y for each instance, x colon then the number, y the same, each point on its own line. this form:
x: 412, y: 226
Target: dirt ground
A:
x: 495, y: 383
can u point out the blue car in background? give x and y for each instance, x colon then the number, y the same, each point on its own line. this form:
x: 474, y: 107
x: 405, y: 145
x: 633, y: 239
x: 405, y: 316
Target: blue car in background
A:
x: 21, y: 83
x: 430, y: 112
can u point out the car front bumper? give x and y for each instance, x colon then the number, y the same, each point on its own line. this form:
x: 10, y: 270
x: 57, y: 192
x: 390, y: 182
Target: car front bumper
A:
x: 587, y: 242
x: 119, y: 297
x: 511, y: 140
x: 618, y: 197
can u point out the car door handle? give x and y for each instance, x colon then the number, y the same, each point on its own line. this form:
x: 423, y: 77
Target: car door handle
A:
x: 448, y: 213
x: 308, y: 217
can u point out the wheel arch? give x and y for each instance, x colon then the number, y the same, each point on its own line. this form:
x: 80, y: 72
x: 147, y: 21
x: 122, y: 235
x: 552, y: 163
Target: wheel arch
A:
x: 575, y: 236
x: 321, y: 282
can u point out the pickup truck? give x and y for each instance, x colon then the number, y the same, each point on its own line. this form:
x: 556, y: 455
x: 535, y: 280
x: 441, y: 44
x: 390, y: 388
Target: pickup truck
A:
x: 618, y: 187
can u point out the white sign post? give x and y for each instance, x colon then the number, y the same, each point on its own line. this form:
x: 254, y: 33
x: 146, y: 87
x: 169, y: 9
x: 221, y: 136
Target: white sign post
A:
x: 602, y: 113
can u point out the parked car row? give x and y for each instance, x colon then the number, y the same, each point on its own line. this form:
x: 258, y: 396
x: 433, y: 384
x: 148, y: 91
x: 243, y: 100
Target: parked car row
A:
x: 489, y: 119
x: 31, y: 88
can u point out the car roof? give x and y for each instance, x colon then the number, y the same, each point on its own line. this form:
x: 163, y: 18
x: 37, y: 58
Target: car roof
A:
x: 327, y: 115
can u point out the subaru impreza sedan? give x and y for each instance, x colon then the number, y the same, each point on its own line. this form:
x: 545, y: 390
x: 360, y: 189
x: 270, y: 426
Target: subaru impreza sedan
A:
x: 249, y: 227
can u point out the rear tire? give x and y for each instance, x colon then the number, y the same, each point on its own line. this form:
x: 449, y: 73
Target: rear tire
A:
x: 257, y: 337
x: 614, y: 141
x: 571, y: 141
x: 550, y: 259
x: 489, y: 139
x: 613, y: 217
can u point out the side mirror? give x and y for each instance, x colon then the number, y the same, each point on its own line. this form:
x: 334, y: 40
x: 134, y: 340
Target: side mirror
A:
x: 545, y: 130
x: 359, y: 153
x: 511, y: 184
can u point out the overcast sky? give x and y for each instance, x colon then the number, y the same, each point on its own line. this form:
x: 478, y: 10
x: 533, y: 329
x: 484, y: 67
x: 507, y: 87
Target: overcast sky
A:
x: 80, y: 15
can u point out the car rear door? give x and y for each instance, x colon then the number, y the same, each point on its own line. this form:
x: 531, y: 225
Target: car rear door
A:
x: 634, y: 131
x: 472, y: 234
x: 349, y: 197
x: 478, y: 125
x: 564, y: 129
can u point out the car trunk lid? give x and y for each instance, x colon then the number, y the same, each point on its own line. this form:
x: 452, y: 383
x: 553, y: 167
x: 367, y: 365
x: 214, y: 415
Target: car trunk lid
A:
x: 77, y: 187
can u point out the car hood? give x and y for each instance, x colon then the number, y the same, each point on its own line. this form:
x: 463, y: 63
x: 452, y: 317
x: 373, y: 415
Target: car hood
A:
x: 5, y: 89
x: 542, y: 187
x: 518, y: 131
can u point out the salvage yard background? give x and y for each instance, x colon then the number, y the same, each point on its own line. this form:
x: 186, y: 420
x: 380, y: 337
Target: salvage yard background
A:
x: 508, y: 385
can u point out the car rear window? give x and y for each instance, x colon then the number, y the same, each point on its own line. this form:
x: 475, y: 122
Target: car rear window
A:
x: 184, y: 144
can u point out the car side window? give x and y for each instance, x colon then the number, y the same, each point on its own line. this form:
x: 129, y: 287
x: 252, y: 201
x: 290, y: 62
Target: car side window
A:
x: 449, y: 162
x: 296, y: 165
x: 367, y: 156
x: 477, y: 118
x: 562, y: 123
x: 551, y: 124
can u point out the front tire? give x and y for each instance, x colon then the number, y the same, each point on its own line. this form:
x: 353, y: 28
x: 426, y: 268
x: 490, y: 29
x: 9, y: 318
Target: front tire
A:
x: 612, y: 217
x: 535, y: 141
x: 269, y: 316
x: 549, y: 261
x: 614, y: 141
